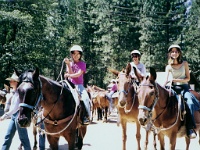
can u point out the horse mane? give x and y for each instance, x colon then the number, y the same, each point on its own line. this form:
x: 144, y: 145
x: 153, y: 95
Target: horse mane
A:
x: 170, y: 100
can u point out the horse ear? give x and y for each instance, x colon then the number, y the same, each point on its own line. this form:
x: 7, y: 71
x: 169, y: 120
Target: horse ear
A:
x: 153, y: 74
x: 115, y: 72
x: 36, y: 73
x: 128, y: 69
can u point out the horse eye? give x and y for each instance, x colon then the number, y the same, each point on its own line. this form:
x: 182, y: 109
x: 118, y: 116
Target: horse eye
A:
x: 151, y: 87
x: 151, y: 93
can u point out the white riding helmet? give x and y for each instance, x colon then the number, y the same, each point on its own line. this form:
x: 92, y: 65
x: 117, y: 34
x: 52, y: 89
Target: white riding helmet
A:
x: 76, y: 48
x: 174, y: 46
x: 135, y: 52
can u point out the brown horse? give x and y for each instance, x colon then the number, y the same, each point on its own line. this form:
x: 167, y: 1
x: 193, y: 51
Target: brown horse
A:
x: 60, y: 108
x: 95, y: 105
x: 3, y: 93
x: 128, y: 107
x: 100, y: 102
x: 163, y: 111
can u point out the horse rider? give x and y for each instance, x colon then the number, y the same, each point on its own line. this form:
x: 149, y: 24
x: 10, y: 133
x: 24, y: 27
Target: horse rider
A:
x: 181, y: 76
x: 140, y: 67
x: 75, y: 70
x: 113, y: 89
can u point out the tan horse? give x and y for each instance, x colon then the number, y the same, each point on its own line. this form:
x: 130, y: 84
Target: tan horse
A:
x: 128, y: 107
x: 100, y: 102
x: 157, y: 107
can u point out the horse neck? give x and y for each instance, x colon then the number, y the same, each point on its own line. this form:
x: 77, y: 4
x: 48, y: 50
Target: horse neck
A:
x: 54, y: 98
x: 165, y: 103
x: 48, y: 88
x: 163, y: 96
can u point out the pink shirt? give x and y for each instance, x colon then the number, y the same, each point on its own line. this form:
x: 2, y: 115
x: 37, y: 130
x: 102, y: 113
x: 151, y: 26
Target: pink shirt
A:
x: 76, y: 66
x: 114, y: 88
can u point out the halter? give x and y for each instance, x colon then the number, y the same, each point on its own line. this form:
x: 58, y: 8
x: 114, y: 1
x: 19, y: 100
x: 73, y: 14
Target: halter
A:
x: 34, y: 107
x: 154, y: 102
x: 158, y: 129
x: 126, y: 93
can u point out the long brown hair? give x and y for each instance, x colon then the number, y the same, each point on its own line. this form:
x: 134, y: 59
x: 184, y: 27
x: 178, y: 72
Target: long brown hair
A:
x: 179, y: 59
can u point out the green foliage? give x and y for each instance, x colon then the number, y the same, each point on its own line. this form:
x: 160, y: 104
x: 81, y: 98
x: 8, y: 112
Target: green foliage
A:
x: 40, y: 33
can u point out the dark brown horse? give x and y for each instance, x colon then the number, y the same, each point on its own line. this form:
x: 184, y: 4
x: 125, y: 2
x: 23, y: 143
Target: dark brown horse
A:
x: 163, y: 111
x: 60, y: 108
x: 128, y: 107
x: 6, y: 100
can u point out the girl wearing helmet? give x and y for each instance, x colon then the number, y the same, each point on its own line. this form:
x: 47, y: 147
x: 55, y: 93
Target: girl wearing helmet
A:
x: 179, y: 70
x: 140, y: 68
x: 75, y: 71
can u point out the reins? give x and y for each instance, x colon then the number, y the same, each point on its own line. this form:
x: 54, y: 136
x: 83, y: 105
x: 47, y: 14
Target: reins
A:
x: 57, y: 122
x: 150, y: 112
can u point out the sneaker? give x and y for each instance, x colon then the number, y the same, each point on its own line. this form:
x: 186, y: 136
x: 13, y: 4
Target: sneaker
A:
x: 86, y: 121
x: 192, y: 134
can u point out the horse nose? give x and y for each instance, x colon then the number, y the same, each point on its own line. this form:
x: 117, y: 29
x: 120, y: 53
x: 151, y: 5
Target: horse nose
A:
x: 143, y: 121
x: 122, y: 103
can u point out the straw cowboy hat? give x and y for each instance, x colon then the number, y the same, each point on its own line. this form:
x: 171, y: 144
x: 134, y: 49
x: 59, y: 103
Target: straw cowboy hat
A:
x: 14, y: 77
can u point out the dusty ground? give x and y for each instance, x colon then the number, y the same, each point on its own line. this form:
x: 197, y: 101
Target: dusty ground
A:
x: 102, y: 136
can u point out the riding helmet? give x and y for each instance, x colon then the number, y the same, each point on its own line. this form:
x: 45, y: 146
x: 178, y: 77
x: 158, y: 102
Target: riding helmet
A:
x: 135, y: 52
x: 174, y: 46
x: 76, y: 48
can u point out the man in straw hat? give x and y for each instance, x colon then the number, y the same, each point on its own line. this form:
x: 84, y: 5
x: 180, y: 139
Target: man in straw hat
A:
x: 13, y: 113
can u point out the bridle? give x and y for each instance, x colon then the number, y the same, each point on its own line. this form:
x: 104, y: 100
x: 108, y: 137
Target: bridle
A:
x: 126, y: 93
x: 38, y: 97
x: 149, y: 109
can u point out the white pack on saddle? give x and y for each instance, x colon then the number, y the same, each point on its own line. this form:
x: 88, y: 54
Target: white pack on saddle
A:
x: 74, y: 92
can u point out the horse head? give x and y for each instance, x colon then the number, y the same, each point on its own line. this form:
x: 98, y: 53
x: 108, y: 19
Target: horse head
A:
x: 3, y: 93
x: 29, y: 93
x: 147, y: 97
x: 125, y: 87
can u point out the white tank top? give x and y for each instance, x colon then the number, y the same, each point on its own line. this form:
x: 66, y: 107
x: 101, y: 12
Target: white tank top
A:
x: 178, y: 73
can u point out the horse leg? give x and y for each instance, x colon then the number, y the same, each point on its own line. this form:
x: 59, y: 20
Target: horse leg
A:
x: 154, y: 140
x: 124, y: 136
x: 35, y: 137
x: 187, y: 140
x: 80, y: 135
x: 146, y: 140
x: 71, y: 138
x: 99, y: 113
x: 162, y: 142
x: 53, y: 141
x: 105, y: 114
x: 138, y: 135
x: 172, y: 141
